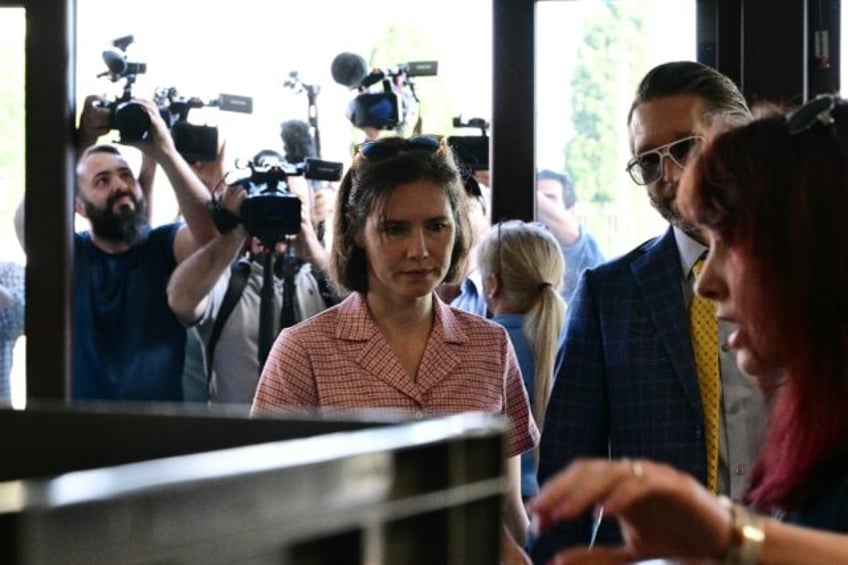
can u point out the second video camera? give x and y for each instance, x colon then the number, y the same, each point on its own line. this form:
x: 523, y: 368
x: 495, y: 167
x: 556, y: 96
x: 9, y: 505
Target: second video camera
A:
x: 387, y: 107
x: 270, y: 211
x: 472, y: 151
x: 194, y: 142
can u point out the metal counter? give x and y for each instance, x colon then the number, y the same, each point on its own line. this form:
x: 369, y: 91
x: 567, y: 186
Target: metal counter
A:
x: 426, y: 492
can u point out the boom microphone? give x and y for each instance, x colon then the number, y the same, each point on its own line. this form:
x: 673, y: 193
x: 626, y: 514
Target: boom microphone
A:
x: 115, y: 61
x: 297, y: 141
x: 349, y: 69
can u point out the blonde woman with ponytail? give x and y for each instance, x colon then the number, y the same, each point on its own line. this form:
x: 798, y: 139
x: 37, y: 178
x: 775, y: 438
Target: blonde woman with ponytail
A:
x: 522, y: 270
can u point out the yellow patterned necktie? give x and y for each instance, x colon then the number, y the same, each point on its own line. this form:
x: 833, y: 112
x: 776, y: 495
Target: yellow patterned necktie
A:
x: 704, y: 330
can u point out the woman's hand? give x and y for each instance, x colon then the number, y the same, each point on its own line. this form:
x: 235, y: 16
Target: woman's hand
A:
x: 661, y: 511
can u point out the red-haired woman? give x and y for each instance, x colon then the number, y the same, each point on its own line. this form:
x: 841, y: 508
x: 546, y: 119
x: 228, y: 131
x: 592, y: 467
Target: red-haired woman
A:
x: 772, y: 197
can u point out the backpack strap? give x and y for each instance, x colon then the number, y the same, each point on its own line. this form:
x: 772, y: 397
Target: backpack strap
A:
x: 239, y: 272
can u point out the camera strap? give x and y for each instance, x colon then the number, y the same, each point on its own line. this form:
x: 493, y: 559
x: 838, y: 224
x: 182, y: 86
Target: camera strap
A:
x: 239, y: 272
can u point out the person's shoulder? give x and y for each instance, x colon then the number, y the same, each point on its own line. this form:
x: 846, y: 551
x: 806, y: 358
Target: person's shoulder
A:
x: 465, y: 316
x: 82, y: 243
x: 472, y: 323
x: 166, y: 230
x: 320, y: 324
x: 328, y: 317
x: 623, y: 262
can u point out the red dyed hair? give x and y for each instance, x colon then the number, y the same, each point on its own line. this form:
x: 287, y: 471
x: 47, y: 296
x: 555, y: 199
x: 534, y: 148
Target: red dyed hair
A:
x: 782, y: 201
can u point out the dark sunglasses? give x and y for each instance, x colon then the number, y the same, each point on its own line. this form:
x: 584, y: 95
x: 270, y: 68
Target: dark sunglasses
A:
x: 819, y: 110
x: 647, y: 167
x: 391, y: 146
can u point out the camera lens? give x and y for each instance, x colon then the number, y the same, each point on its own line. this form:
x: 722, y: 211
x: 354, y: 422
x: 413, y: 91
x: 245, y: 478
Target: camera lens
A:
x: 132, y: 121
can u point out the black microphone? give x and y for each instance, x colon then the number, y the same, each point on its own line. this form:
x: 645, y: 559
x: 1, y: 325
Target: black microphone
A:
x: 115, y: 61
x: 349, y: 69
x: 297, y: 141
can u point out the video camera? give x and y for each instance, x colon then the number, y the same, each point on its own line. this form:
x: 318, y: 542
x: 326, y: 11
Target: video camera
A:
x: 385, y: 109
x: 472, y: 151
x: 127, y: 116
x: 194, y: 142
x: 270, y: 211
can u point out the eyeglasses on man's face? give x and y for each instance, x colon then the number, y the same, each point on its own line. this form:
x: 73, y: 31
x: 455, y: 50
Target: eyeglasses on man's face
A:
x: 647, y: 167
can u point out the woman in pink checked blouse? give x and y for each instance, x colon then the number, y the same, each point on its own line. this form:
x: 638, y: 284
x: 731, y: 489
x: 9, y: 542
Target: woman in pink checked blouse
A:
x: 400, y: 230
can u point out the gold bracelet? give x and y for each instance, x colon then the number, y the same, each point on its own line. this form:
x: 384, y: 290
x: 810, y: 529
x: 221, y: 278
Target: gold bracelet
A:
x: 746, y: 534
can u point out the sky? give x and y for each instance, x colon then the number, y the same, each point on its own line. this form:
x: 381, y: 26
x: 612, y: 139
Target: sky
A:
x: 249, y: 47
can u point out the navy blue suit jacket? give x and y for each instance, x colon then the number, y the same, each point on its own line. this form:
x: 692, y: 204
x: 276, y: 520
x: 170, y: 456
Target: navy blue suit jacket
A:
x: 627, y: 385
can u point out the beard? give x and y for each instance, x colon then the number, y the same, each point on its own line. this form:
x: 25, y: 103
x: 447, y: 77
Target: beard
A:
x: 128, y: 225
x: 665, y: 206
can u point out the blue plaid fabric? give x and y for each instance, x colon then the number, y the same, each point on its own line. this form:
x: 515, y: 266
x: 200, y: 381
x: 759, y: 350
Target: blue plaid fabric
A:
x: 626, y: 385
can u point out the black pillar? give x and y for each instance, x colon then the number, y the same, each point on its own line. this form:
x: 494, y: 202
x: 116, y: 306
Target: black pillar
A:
x: 513, y: 154
x: 49, y: 214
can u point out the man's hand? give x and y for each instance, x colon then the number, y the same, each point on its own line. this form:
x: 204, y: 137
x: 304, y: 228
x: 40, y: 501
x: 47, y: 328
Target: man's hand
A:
x: 159, y: 143
x: 306, y: 243
x: 233, y: 197
x: 562, y: 222
x: 95, y: 121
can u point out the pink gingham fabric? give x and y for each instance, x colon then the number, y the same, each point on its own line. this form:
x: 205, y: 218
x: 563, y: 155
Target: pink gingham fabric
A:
x: 339, y: 359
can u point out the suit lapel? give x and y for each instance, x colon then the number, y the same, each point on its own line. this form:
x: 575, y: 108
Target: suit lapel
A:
x: 658, y: 277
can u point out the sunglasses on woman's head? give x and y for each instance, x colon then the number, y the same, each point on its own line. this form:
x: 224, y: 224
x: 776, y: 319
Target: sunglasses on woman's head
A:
x: 392, y: 146
x: 647, y: 167
x: 819, y: 110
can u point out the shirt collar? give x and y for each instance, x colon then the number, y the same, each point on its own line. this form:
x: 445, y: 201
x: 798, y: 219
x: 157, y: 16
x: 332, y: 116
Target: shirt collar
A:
x: 474, y: 281
x: 689, y: 251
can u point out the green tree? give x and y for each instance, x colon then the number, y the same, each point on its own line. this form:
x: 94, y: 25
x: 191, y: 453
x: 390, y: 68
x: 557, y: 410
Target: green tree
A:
x: 12, y: 175
x: 601, y: 90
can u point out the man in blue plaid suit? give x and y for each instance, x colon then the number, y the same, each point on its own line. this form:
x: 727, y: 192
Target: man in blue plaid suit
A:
x: 627, y: 384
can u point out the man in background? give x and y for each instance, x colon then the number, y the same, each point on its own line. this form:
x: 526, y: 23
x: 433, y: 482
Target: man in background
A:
x: 218, y: 289
x: 555, y: 205
x: 127, y: 344
x: 634, y: 381
x: 468, y: 293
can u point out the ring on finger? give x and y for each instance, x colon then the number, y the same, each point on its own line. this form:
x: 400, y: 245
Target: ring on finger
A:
x: 637, y: 470
x: 635, y: 467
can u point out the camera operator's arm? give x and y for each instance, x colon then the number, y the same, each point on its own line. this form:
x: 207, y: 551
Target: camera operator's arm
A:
x: 562, y: 222
x: 483, y: 177
x: 191, y: 194
x: 146, y: 176
x: 212, y: 173
x: 370, y: 133
x: 193, y: 279
x: 306, y: 243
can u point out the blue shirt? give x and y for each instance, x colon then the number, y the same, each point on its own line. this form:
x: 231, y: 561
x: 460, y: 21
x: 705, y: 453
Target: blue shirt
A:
x: 580, y: 255
x: 127, y: 343
x: 11, y: 322
x: 471, y: 297
x: 513, y: 323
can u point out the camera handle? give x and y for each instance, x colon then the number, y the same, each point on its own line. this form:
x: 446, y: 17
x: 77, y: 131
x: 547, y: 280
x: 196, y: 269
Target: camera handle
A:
x: 266, y: 302
x: 266, y: 306
x: 290, y: 266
